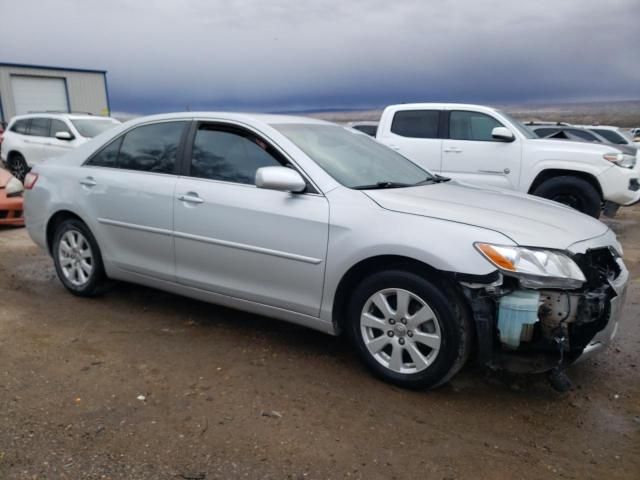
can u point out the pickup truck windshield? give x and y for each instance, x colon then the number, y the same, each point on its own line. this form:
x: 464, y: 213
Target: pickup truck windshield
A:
x: 354, y: 159
x: 523, y: 129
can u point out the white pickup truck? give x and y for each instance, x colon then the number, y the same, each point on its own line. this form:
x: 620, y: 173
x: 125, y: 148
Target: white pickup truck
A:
x: 485, y: 146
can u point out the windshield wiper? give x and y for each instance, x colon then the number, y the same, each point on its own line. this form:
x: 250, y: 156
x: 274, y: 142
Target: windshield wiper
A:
x: 435, y: 178
x: 382, y: 185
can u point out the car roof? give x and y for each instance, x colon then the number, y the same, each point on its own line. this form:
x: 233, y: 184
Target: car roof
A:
x: 606, y: 127
x: 266, y: 118
x: 70, y: 116
x: 441, y: 106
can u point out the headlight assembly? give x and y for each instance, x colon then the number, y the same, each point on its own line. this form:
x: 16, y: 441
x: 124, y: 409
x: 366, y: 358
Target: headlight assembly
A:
x: 535, y: 268
x: 621, y: 159
x: 14, y: 187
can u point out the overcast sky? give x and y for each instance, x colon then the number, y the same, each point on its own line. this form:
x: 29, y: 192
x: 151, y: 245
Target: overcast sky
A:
x: 276, y: 55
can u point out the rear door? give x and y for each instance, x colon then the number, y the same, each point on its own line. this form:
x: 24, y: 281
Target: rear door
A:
x: 35, y: 140
x: 416, y: 135
x: 128, y: 189
x: 235, y: 239
x: 472, y: 155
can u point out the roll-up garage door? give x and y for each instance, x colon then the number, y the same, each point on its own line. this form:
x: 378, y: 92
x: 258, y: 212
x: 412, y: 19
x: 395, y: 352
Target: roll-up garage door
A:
x: 39, y: 94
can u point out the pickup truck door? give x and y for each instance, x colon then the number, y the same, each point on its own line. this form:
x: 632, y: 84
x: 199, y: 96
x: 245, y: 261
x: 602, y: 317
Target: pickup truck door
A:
x: 470, y: 154
x: 415, y: 134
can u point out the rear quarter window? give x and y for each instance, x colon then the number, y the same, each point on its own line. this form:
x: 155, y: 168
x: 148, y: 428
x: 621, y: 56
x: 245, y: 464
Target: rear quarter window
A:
x: 20, y: 126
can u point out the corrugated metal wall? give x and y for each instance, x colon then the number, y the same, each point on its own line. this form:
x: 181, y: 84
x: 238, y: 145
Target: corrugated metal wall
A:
x: 87, y: 90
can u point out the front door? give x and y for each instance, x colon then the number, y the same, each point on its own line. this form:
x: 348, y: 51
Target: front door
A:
x: 235, y: 239
x: 471, y: 154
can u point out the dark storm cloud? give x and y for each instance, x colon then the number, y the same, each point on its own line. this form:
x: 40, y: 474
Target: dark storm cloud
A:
x: 292, y: 54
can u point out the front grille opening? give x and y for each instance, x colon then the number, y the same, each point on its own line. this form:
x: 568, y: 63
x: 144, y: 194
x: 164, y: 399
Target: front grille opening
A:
x: 599, y: 266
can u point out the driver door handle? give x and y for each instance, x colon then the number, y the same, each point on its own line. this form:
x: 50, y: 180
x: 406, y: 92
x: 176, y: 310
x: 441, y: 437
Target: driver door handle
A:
x: 452, y: 150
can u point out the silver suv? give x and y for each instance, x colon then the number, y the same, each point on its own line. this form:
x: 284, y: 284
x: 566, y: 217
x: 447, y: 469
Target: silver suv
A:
x: 29, y: 139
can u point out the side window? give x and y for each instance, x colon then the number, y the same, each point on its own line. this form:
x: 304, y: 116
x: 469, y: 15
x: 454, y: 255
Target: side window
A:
x: 416, y: 123
x: 545, y: 132
x: 582, y: 134
x: 151, y: 148
x: 20, y: 126
x: 108, y: 156
x: 471, y: 126
x: 39, y: 127
x: 610, y: 135
x: 58, y: 126
x: 230, y: 156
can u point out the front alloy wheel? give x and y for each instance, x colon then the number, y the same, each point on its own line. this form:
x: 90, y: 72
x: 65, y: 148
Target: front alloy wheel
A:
x: 409, y: 329
x: 400, y: 330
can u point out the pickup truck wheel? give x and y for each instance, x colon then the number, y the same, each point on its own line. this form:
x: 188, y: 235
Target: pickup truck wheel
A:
x: 407, y: 330
x: 18, y: 167
x: 77, y: 259
x: 574, y: 192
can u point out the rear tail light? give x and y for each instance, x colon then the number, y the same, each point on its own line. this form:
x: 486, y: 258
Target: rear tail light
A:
x: 30, y: 180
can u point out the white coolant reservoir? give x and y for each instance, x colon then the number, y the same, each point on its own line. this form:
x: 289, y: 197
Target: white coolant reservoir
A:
x: 516, y: 310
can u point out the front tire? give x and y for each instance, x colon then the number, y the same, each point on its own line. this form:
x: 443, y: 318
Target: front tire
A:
x: 18, y: 166
x: 407, y: 330
x: 77, y: 259
x: 572, y: 191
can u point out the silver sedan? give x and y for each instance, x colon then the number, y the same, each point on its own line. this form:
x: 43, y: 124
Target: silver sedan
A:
x: 307, y: 222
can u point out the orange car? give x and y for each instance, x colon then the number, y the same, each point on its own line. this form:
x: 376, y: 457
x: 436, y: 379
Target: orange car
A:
x: 10, y: 199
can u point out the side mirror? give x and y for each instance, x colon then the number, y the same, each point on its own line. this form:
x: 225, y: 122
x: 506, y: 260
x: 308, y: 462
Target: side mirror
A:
x: 280, y: 178
x: 502, y: 134
x: 64, y: 136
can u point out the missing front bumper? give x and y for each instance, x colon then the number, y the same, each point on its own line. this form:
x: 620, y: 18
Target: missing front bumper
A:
x: 566, y: 326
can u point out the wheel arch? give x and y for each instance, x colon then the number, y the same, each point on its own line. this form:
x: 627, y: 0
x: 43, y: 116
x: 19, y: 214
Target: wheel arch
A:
x: 550, y: 173
x: 357, y: 272
x: 55, y: 220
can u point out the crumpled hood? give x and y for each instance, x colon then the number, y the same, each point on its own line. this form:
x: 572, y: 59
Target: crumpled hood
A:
x: 527, y: 220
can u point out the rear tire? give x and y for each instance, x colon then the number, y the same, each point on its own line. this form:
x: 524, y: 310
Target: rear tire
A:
x: 77, y: 259
x: 408, y: 330
x: 18, y: 166
x: 572, y: 191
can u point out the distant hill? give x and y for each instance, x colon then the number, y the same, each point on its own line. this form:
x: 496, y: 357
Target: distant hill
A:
x: 621, y: 113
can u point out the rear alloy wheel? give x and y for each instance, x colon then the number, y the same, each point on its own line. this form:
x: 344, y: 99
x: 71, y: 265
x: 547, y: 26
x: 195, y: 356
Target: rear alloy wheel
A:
x: 77, y: 259
x: 407, y: 330
x: 18, y: 166
x: 572, y: 191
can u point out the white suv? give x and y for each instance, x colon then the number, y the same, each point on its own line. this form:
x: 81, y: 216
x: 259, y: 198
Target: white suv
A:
x: 29, y: 139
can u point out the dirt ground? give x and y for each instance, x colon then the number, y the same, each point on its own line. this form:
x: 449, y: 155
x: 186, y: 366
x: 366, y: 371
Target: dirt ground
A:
x: 140, y: 384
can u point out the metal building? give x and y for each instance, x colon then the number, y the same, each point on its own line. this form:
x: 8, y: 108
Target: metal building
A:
x: 37, y: 88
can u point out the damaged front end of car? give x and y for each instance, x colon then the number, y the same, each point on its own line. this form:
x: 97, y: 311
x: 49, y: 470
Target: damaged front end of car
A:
x: 542, y: 310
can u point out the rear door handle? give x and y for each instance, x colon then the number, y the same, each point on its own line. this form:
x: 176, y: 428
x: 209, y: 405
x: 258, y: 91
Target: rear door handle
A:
x: 452, y: 150
x: 190, y: 197
x: 88, y: 182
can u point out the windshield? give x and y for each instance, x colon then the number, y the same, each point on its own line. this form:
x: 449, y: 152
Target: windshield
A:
x: 522, y: 128
x: 91, y: 127
x: 354, y: 159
